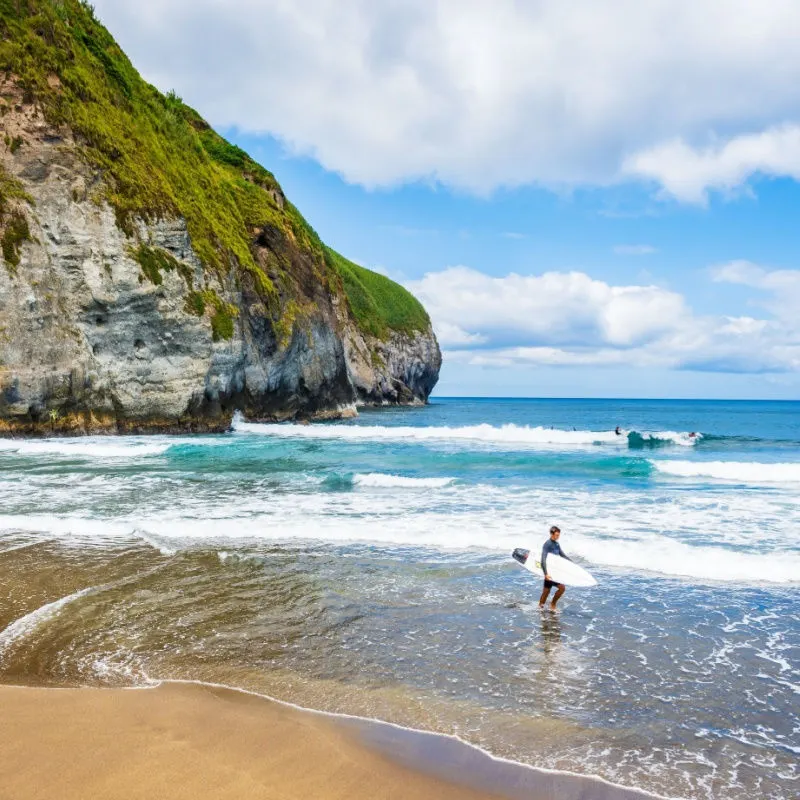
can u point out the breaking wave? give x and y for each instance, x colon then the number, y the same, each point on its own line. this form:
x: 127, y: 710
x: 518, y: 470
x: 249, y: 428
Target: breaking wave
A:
x: 618, y: 544
x: 637, y: 440
x: 738, y: 471
x: 381, y: 481
x: 89, y: 448
x: 516, y: 435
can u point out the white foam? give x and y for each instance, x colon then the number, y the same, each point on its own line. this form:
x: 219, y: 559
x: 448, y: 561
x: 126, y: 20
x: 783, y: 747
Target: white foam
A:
x: 25, y: 625
x: 162, y: 548
x: 484, y: 433
x: 542, y: 772
x: 738, y: 471
x: 510, y: 434
x: 676, y: 437
x: 90, y: 447
x: 67, y: 525
x: 382, y: 481
x: 631, y: 551
x: 661, y: 554
x: 697, y: 534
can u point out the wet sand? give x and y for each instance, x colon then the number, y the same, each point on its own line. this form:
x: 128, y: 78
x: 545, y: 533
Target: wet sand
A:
x: 198, y: 741
x: 183, y: 741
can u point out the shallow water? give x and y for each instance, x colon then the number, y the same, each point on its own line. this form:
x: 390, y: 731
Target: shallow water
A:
x: 365, y: 568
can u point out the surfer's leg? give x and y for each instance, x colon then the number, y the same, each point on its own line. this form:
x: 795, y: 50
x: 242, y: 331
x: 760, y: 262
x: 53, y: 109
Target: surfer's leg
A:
x: 545, y: 592
x: 557, y: 596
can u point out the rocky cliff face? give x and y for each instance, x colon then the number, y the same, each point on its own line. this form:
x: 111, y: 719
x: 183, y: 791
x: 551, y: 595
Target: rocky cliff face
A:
x: 121, y: 327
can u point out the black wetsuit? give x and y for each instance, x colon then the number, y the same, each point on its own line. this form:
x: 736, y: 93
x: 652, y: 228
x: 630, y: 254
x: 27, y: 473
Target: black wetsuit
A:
x: 551, y: 546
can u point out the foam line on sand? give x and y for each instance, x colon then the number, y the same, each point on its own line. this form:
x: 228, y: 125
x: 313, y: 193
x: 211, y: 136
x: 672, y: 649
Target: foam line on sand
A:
x: 199, y: 741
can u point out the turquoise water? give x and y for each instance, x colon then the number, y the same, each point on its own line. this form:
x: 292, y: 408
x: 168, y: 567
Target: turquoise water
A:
x: 365, y: 567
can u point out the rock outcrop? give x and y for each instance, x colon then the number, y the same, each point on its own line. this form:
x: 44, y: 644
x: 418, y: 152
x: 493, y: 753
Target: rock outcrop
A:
x: 113, y: 319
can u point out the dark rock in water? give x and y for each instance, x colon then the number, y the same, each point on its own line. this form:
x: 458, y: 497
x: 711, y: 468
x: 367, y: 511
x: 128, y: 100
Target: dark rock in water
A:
x: 148, y: 292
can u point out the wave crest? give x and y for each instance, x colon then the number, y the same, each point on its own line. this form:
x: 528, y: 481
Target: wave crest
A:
x: 510, y: 434
x: 383, y: 481
x: 84, y: 448
x: 739, y: 471
x: 645, y: 439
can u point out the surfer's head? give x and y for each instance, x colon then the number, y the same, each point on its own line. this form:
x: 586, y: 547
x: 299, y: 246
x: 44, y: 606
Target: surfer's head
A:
x: 555, y: 532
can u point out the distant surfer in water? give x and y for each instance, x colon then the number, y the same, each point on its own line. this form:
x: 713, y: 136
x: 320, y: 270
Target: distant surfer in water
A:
x: 552, y: 546
x: 618, y: 431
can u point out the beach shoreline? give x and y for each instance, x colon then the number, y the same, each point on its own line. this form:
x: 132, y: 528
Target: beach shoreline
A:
x: 364, y: 572
x: 195, y: 740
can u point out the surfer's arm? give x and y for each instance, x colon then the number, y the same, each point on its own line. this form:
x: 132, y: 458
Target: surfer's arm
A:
x: 545, y: 551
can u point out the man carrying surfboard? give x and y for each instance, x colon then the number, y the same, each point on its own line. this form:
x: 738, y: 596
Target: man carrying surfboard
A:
x: 552, y: 546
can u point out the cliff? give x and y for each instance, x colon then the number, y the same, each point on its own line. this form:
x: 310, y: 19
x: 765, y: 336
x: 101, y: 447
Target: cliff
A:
x: 153, y: 276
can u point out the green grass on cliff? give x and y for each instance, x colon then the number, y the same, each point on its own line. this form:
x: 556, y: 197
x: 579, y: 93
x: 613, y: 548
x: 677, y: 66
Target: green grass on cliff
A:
x: 160, y: 159
x: 14, y: 228
x: 378, y: 303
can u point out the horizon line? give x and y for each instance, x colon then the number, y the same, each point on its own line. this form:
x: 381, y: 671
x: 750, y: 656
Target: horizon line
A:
x: 660, y: 399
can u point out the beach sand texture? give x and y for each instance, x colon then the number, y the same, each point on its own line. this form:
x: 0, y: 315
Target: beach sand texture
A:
x: 186, y: 741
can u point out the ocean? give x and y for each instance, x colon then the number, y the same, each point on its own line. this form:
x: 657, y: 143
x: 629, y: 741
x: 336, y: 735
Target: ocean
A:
x: 364, y: 567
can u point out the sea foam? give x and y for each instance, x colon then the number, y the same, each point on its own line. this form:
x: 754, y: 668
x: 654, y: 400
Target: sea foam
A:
x: 738, y: 471
x: 638, y: 538
x: 510, y: 434
x: 89, y: 448
x: 25, y: 625
x: 382, y: 481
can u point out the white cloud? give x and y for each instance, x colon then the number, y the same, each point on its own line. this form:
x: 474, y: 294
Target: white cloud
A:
x: 781, y: 285
x: 552, y: 308
x: 749, y: 274
x: 450, y: 335
x: 479, y: 95
x: 571, y: 319
x: 634, y: 249
x: 739, y: 271
x: 688, y: 173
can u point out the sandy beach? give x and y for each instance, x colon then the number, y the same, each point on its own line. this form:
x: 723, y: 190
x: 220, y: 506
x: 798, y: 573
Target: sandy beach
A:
x: 184, y: 741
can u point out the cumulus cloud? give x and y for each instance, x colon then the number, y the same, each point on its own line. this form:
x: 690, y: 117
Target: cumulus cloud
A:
x: 688, y: 173
x: 481, y: 95
x: 571, y: 319
x: 563, y: 308
x: 450, y: 335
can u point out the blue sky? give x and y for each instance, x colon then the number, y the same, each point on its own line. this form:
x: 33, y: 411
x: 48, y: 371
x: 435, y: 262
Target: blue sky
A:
x: 622, y: 236
x: 594, y: 201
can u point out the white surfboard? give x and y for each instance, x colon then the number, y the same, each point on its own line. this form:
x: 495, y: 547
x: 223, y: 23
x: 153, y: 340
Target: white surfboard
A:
x: 561, y: 570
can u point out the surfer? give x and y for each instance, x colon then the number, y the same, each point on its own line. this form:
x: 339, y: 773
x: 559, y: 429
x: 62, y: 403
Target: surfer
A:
x: 552, y: 546
x: 618, y: 431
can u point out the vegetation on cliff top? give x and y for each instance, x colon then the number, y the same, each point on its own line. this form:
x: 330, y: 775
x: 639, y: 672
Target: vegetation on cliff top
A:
x: 160, y: 159
x: 378, y: 304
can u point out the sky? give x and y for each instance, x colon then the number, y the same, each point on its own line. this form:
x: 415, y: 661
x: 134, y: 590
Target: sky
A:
x: 598, y: 198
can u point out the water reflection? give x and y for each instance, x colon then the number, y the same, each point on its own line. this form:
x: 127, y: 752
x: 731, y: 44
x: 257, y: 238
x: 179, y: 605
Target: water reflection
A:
x: 552, y: 631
